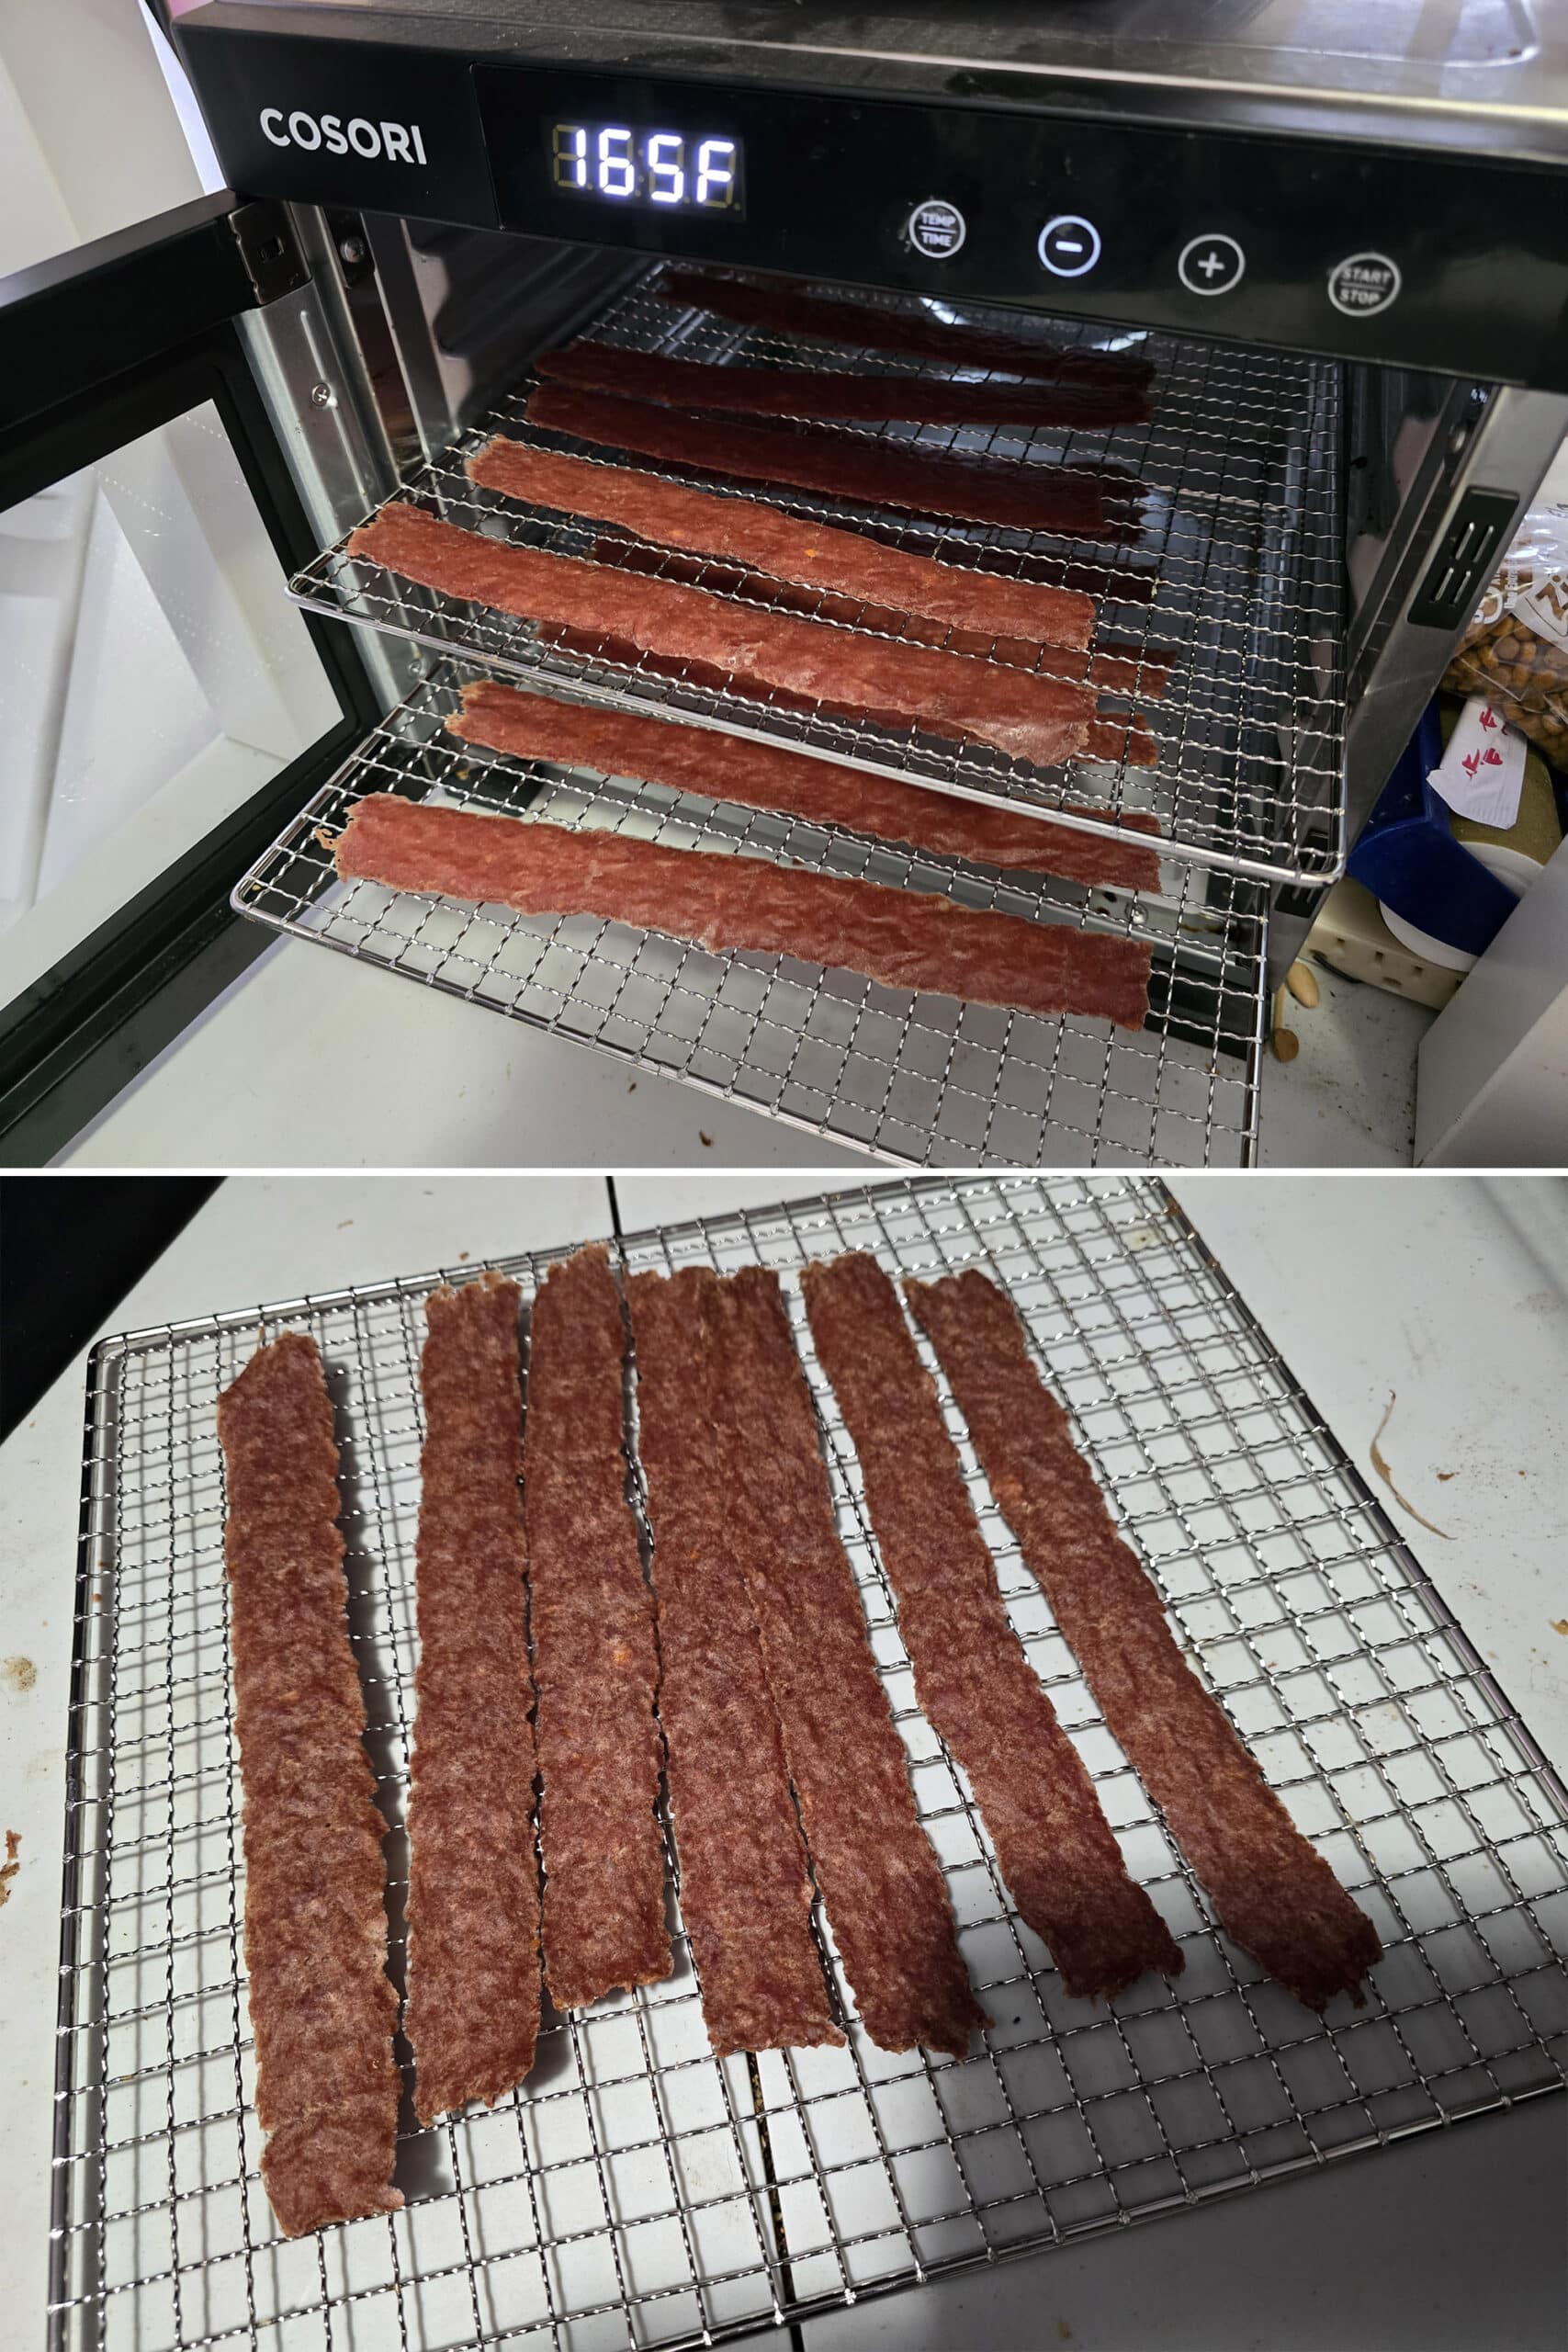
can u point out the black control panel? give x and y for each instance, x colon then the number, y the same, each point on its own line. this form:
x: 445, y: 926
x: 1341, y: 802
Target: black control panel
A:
x: 1457, y: 264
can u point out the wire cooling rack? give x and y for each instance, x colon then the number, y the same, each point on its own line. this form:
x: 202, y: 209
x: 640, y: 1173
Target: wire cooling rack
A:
x: 922, y: 1079
x: 1231, y: 570
x: 637, y: 2192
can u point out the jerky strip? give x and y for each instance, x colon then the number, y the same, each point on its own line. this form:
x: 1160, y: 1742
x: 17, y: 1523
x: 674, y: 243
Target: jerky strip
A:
x: 728, y: 579
x: 763, y: 539
x: 878, y: 1872
x: 825, y: 393
x: 785, y: 307
x: 595, y: 1655
x: 1116, y: 665
x: 1118, y: 739
x: 323, y: 2009
x: 907, y: 939
x: 745, y: 1894
x: 1126, y: 741
x: 769, y: 776
x: 473, y: 1988
x: 1056, y: 1850
x: 1104, y: 739
x: 842, y: 465
x: 1274, y: 1892
x: 1031, y: 717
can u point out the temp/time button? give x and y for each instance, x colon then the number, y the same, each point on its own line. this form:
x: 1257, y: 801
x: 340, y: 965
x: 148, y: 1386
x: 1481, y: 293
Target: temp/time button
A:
x: 936, y: 228
x: 1363, y: 284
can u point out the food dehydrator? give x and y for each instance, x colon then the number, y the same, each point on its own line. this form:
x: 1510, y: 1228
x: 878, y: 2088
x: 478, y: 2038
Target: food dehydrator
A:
x: 1339, y: 244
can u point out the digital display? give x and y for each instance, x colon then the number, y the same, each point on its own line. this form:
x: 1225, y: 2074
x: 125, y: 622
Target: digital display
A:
x: 667, y: 169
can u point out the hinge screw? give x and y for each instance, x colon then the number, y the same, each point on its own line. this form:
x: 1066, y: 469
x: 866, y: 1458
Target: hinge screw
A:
x: 323, y: 396
x: 353, y: 250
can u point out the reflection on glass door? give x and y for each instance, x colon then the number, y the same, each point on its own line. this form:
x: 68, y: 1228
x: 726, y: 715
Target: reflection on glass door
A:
x: 153, y: 677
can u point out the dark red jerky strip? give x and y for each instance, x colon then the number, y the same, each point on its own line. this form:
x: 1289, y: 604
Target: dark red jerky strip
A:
x: 596, y: 1655
x: 767, y: 775
x: 1056, y: 1850
x: 878, y: 1873
x: 1029, y: 717
x: 473, y: 1984
x: 904, y: 938
x: 1274, y: 1892
x: 323, y: 2009
x: 826, y: 392
x: 745, y: 1894
x: 785, y: 308
x: 761, y: 537
x: 845, y: 465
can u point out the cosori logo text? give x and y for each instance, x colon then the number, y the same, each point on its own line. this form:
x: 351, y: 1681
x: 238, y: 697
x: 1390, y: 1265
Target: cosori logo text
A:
x: 399, y: 143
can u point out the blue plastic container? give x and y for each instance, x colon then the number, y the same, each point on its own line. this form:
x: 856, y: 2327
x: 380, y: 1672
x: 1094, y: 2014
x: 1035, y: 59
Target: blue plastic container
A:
x: 1407, y: 856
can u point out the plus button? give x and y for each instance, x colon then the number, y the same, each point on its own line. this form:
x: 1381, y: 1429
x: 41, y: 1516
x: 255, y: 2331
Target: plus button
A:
x: 1213, y: 264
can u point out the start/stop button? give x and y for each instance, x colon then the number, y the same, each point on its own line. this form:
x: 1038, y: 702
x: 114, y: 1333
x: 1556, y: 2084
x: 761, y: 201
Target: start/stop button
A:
x: 1363, y: 284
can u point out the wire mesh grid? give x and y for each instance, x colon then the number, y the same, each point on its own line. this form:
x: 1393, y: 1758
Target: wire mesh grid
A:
x: 1227, y: 577
x: 922, y: 1079
x: 637, y: 2191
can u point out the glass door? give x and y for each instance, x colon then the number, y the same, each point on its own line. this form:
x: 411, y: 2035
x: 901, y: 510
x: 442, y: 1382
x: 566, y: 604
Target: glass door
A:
x: 162, y: 703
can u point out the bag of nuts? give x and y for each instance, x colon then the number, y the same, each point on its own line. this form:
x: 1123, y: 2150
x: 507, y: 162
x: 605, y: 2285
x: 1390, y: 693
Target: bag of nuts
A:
x: 1515, y: 649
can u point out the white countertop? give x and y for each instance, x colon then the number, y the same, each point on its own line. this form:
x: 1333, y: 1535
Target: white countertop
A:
x: 1452, y: 1294
x: 310, y: 1059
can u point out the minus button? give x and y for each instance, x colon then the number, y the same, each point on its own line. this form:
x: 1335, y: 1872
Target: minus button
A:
x: 1069, y: 246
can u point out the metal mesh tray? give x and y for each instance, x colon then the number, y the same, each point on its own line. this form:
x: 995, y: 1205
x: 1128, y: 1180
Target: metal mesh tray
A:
x: 637, y: 2191
x: 921, y: 1080
x: 1235, y: 573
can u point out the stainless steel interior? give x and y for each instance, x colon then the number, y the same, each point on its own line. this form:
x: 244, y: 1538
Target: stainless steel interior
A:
x: 921, y: 1079
x: 1409, y: 447
x: 1237, y: 554
x: 1295, y: 508
x: 637, y: 2192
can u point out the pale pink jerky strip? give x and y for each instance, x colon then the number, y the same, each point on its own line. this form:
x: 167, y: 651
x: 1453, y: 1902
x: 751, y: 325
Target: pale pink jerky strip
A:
x: 761, y: 537
x: 909, y: 939
x: 1021, y: 712
x: 771, y: 775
